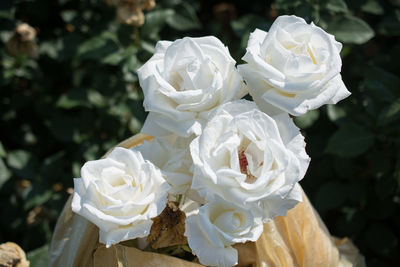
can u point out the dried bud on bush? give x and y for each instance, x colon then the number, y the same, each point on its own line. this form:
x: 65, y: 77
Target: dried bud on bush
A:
x: 37, y: 215
x: 33, y: 215
x: 131, y: 11
x: 22, y: 185
x: 149, y: 4
x: 11, y: 255
x: 130, y: 14
x: 23, y: 42
x: 25, y: 32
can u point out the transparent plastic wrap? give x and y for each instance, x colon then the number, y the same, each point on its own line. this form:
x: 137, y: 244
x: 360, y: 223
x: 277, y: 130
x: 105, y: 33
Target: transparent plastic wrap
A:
x: 298, y: 239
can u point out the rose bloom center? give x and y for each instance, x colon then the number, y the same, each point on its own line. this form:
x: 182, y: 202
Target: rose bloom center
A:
x: 243, y: 163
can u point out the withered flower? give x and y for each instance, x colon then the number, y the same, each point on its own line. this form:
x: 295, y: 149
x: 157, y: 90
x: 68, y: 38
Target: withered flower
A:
x: 131, y: 11
x: 11, y: 255
x: 130, y: 14
x: 23, y: 42
x: 149, y: 4
x: 168, y: 228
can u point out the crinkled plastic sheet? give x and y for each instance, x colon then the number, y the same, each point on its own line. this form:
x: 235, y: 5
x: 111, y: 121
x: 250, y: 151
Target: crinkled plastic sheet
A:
x: 298, y: 239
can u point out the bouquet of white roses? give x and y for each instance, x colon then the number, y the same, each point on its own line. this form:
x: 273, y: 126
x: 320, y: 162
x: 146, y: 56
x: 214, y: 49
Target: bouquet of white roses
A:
x: 219, y: 167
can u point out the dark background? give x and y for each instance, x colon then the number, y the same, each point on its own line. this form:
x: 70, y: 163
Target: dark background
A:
x: 81, y: 97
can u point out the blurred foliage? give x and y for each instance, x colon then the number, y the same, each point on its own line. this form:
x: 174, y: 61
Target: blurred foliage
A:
x: 81, y: 97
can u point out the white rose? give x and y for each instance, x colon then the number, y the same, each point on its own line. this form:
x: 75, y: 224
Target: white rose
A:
x: 120, y: 194
x: 250, y: 159
x: 295, y: 67
x: 185, y: 79
x: 174, y: 161
x: 215, y: 227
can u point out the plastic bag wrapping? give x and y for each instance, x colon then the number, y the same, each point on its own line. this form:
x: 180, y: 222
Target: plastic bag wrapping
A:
x: 349, y: 254
x: 298, y: 239
x: 118, y: 255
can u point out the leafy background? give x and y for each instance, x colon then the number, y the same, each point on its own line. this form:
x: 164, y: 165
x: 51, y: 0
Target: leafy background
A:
x: 81, y: 97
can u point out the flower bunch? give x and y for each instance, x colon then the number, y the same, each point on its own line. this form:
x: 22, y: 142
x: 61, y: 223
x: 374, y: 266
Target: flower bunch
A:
x: 219, y: 166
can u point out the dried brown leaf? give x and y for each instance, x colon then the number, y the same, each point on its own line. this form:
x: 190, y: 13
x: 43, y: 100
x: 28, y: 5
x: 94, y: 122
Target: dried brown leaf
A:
x: 168, y: 228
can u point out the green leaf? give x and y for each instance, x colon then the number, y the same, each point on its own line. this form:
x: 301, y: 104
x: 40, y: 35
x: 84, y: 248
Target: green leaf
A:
x: 335, y: 112
x: 132, y: 50
x: 185, y: 20
x: 330, y: 196
x: 62, y: 126
x: 372, y: 7
x: 390, y: 113
x: 7, y: 10
x: 76, y: 169
x: 23, y: 163
x: 6, y: 5
x: 155, y: 21
x: 130, y: 67
x: 186, y: 248
x: 248, y: 23
x: 113, y: 59
x: 91, y: 153
x: 148, y: 47
x: 98, y: 47
x: 3, y: 152
x: 63, y: 2
x: 72, y: 99
x: 39, y: 257
x: 68, y: 15
x: 96, y: 98
x: 5, y: 174
x: 243, y: 26
x: 381, y: 239
x: 336, y: 6
x: 382, y: 85
x: 396, y: 174
x: 344, y: 167
x: 135, y: 125
x: 50, y: 48
x: 390, y: 25
x: 70, y: 43
x: 308, y: 12
x: 375, y: 211
x: 351, y: 222
x: 52, y: 165
x: 385, y: 187
x: 38, y: 195
x: 358, y: 192
x: 307, y: 119
x: 284, y: 4
x: 349, y: 29
x: 350, y: 141
x: 379, y: 166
